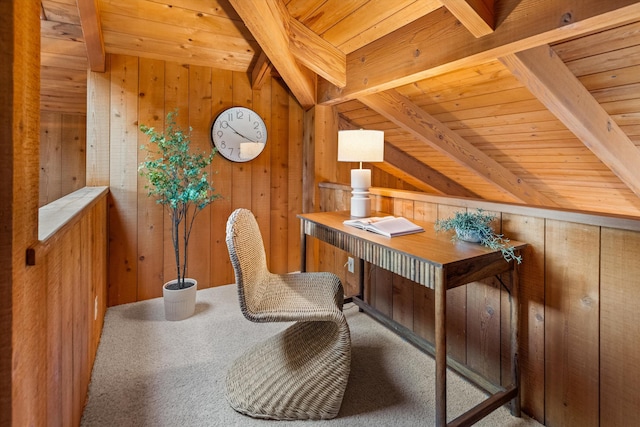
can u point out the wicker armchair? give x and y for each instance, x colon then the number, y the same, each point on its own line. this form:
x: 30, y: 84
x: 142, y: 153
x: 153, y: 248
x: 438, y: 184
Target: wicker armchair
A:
x: 302, y: 372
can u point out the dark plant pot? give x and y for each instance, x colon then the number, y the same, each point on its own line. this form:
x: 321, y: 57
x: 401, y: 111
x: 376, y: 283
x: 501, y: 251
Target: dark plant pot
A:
x: 179, y: 304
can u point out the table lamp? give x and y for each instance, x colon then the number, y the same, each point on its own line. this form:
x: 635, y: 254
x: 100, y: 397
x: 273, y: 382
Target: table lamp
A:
x: 360, y: 146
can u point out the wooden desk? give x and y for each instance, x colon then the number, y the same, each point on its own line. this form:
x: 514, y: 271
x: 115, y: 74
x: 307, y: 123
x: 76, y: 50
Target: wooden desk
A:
x: 431, y: 260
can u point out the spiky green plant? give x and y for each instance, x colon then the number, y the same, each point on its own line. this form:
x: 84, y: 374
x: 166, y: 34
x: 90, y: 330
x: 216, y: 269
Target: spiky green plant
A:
x: 178, y: 180
x: 478, y: 223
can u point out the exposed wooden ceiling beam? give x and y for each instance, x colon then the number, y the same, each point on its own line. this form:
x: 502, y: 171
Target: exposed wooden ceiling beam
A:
x: 92, y: 31
x: 268, y: 21
x: 418, y: 170
x: 548, y: 78
x: 401, y: 176
x: 290, y: 46
x: 317, y: 54
x: 434, y: 44
x: 425, y: 173
x: 476, y: 15
x: 429, y: 130
x: 314, y: 52
x: 261, y: 70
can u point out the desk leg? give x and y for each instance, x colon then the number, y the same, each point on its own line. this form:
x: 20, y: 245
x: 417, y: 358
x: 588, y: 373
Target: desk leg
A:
x: 515, y: 340
x: 361, y: 282
x: 303, y: 248
x: 441, y: 348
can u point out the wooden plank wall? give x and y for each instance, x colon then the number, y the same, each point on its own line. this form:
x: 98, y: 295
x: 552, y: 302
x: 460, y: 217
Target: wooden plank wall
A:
x: 22, y: 341
x: 580, y: 281
x: 62, y: 154
x: 73, y: 273
x: 142, y: 90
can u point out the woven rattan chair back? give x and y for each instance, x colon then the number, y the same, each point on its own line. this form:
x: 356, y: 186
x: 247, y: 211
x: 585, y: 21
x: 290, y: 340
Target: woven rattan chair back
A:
x: 249, y: 260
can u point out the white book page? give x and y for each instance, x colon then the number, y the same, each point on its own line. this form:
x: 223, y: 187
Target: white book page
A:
x: 387, y: 226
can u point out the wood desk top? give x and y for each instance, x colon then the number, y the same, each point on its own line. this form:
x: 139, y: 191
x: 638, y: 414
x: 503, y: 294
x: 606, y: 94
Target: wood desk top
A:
x: 462, y: 262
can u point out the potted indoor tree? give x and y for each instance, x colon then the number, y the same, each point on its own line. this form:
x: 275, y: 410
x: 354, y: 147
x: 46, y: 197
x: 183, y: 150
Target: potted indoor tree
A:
x: 475, y: 227
x: 178, y: 180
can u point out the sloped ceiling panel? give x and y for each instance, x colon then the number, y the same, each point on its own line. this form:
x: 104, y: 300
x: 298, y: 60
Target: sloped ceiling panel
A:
x: 474, y: 96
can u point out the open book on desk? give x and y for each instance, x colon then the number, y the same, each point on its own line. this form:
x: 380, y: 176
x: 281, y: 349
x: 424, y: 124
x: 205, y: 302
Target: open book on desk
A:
x: 389, y: 226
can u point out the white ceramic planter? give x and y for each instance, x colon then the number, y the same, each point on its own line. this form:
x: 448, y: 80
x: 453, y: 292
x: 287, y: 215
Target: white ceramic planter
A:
x: 468, y: 236
x: 181, y: 303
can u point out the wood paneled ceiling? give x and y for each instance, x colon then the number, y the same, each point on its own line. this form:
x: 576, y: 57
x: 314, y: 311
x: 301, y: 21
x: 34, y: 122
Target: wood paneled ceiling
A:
x: 528, y: 101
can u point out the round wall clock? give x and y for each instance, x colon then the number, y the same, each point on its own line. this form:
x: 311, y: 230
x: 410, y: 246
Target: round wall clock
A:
x: 239, y: 134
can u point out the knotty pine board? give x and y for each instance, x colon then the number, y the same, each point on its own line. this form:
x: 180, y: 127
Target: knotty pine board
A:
x: 78, y: 293
x: 619, y: 327
x: 160, y: 12
x: 199, y: 119
x: 51, y: 270
x: 483, y: 322
x: 424, y: 312
x: 425, y: 211
x: 98, y: 104
x: 326, y: 253
x: 532, y: 310
x: 572, y: 254
x: 402, y: 301
x: 166, y: 48
x: 278, y: 168
x: 66, y: 381
x: 295, y: 180
x: 150, y: 228
x: 221, y: 270
x: 423, y: 297
x: 50, y: 157
x: 456, y: 307
x: 261, y: 177
x: 22, y: 312
x: 98, y: 274
x: 325, y: 146
x: 62, y: 155
x: 604, y: 41
x: 123, y: 249
x: 483, y: 327
x: 381, y: 289
x: 73, y: 152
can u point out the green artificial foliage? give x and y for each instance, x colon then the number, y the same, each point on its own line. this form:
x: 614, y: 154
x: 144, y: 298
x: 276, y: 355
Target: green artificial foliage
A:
x: 178, y: 179
x: 478, y: 224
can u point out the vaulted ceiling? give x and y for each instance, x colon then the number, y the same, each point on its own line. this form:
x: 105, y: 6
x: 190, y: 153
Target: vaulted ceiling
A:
x: 529, y: 101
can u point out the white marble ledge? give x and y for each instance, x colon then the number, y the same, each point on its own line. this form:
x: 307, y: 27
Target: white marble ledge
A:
x: 55, y: 215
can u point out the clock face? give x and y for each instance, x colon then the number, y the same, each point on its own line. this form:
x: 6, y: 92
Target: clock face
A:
x: 239, y: 134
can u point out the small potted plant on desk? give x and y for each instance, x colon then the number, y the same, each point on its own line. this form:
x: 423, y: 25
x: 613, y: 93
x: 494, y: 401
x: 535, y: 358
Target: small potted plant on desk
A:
x: 475, y: 227
x: 179, y: 181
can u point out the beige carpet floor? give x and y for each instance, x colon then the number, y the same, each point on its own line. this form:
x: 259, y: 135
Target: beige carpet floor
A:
x: 151, y: 372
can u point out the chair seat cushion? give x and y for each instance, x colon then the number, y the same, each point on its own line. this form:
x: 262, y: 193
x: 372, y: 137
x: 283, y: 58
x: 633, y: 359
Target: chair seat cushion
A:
x: 299, y: 297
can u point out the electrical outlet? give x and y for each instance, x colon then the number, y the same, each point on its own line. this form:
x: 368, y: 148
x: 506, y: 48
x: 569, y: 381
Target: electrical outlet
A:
x: 350, y: 264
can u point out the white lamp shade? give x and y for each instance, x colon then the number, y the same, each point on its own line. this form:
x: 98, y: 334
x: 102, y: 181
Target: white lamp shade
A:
x: 360, y: 145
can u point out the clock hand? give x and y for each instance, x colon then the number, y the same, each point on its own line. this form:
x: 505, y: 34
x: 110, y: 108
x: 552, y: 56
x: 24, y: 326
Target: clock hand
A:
x: 239, y: 134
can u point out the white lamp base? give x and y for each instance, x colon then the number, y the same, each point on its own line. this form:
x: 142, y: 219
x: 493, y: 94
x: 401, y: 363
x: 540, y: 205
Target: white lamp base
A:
x: 360, y: 201
x: 360, y: 204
